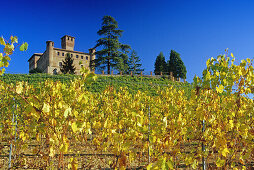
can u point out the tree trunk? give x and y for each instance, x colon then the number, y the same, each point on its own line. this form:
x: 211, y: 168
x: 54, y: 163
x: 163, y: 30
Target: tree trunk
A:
x: 108, y: 66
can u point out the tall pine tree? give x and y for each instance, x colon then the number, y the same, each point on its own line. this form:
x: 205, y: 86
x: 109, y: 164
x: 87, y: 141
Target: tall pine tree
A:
x: 134, y: 63
x: 67, y: 66
x: 181, y: 69
x: 112, y: 55
x: 160, y: 64
x: 176, y: 65
x: 122, y: 64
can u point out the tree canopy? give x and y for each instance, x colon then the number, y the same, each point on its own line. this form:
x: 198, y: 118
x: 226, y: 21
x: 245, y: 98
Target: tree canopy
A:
x: 134, y: 63
x: 113, y: 54
x: 176, y: 65
x: 67, y: 66
x: 160, y: 64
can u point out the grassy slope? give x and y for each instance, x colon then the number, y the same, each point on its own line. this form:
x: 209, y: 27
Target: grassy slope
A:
x: 148, y: 84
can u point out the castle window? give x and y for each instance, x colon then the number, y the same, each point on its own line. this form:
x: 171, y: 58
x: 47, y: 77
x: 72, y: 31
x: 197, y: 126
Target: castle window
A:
x: 86, y: 58
x: 71, y: 55
x: 68, y: 38
x: 76, y: 56
x: 62, y: 54
x: 58, y: 53
x: 60, y: 64
x: 71, y: 39
x: 81, y: 57
x: 55, y: 71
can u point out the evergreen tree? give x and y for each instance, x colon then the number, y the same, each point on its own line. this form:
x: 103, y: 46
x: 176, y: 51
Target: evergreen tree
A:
x: 134, y: 63
x: 122, y: 64
x: 176, y: 65
x: 181, y: 70
x: 160, y: 64
x: 67, y: 66
x: 112, y: 55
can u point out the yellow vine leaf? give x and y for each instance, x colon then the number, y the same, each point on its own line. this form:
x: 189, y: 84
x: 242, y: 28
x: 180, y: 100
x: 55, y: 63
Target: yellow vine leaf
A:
x: 225, y: 151
x: 46, y: 108
x: 220, y: 88
x: 51, y: 152
x: 19, y: 88
x: 67, y: 112
x: 231, y: 123
x: 74, y: 127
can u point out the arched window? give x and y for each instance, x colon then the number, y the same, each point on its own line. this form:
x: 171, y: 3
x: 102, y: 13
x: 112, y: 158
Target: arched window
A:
x: 55, y: 71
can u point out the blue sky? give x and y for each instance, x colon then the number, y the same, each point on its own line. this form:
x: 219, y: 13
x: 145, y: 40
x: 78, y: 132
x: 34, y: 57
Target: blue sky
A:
x: 197, y: 29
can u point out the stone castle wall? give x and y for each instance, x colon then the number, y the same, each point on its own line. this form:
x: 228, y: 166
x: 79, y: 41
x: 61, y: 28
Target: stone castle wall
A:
x: 52, y: 59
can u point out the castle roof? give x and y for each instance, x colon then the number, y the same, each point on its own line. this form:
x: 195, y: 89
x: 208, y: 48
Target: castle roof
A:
x: 67, y: 36
x: 40, y: 54
x: 60, y: 49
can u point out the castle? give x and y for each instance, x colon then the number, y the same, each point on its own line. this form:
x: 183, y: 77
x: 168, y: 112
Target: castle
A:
x: 52, y: 59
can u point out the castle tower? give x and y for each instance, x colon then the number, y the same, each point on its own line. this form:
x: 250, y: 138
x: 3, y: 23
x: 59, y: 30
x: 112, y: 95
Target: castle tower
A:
x: 68, y: 42
x: 92, y: 58
x: 50, y: 54
x: 50, y: 50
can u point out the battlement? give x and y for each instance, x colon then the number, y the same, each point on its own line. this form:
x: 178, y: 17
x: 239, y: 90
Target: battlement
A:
x: 68, y: 42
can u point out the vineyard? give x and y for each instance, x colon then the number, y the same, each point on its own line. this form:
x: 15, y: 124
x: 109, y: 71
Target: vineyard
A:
x: 83, y: 123
x: 65, y: 125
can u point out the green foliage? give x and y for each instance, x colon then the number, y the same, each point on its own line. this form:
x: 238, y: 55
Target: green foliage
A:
x: 133, y: 84
x: 176, y: 65
x: 134, y: 63
x: 24, y: 47
x: 113, y: 54
x: 160, y: 64
x: 68, y: 66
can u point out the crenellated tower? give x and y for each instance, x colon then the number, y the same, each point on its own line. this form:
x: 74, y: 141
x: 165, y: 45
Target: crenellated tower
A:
x: 68, y: 42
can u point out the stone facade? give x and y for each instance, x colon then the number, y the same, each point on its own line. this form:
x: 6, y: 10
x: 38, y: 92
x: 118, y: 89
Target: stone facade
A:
x: 51, y: 60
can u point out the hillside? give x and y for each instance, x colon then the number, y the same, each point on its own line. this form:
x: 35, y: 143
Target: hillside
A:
x: 135, y: 83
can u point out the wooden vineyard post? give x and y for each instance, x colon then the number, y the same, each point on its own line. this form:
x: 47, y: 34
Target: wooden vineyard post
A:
x: 141, y: 73
x: 203, y: 147
x: 131, y: 73
x: 151, y: 73
x: 14, y: 119
x: 149, y: 115
x: 111, y: 72
x: 102, y: 72
x: 121, y: 73
x: 161, y: 73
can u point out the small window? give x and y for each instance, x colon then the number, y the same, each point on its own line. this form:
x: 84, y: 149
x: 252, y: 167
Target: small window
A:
x: 62, y: 54
x: 68, y: 38
x: 82, y: 66
x: 71, y: 55
x: 58, y: 53
x: 82, y: 57
x: 71, y: 39
x: 55, y: 71
x: 60, y: 64
x: 76, y: 56
x: 86, y: 58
